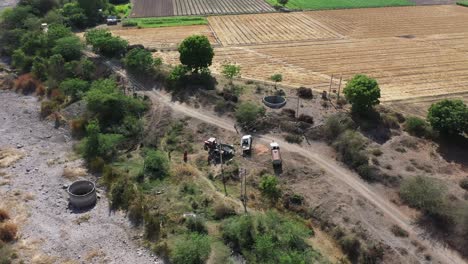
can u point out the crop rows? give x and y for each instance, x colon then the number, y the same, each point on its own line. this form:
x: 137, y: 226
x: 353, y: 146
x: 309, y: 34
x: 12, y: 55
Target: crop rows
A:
x: 210, y: 7
x: 269, y: 28
x: 152, y: 8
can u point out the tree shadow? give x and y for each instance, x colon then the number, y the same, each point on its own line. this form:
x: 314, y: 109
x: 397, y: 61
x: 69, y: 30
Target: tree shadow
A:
x: 372, y: 125
x: 454, y: 149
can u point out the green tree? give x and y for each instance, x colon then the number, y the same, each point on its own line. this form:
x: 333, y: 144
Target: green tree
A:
x: 362, y: 92
x: 39, y: 68
x: 269, y: 187
x: 104, y: 43
x: 55, y: 67
x: 99, y: 145
x: 69, y: 47
x: 276, y: 78
x: 91, y: 10
x: 139, y: 60
x: 35, y: 44
x: 75, y: 88
x: 450, y: 117
x: 21, y: 61
x: 56, y: 32
x: 231, y: 71
x: 196, y: 52
x: 248, y: 113
x: 156, y: 164
x: 194, y: 249
x: 74, y: 15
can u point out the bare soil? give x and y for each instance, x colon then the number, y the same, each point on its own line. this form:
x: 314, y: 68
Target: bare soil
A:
x: 33, y: 190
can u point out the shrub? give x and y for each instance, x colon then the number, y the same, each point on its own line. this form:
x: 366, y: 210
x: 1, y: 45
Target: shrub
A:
x: 26, y: 84
x: 96, y: 164
x: 417, y: 127
x: 305, y: 93
x: 306, y: 118
x: 152, y: 226
x: 104, y: 43
x: 335, y: 125
x: 269, y: 187
x: 464, y: 184
x: 399, y: 232
x: 291, y: 138
x: 350, y: 146
x: 231, y: 71
x: 276, y: 78
x: 449, y: 117
x: 122, y: 193
x: 75, y: 88
x: 362, y: 92
x: 48, y: 107
x: 78, y: 127
x: 4, y: 215
x: 139, y: 60
x: 156, y: 164
x: 196, y: 52
x: 8, y: 232
x: 129, y: 23
x: 193, y: 248
x: 248, y: 113
x: 69, y: 47
x: 196, y: 224
x: 136, y: 211
x: 351, y: 246
x: 423, y: 193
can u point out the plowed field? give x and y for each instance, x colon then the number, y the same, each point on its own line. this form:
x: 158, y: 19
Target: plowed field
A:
x: 152, y: 8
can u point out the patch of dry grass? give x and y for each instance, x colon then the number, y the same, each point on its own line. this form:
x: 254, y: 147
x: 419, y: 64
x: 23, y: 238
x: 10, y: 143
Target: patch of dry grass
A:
x: 4, y: 215
x: 9, y: 156
x: 73, y: 173
x: 184, y: 170
x: 8, y: 231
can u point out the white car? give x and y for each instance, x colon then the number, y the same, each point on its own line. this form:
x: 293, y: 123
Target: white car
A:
x: 246, y: 144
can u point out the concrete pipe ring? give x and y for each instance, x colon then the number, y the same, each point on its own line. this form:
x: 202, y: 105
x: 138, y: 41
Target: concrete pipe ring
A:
x: 274, y: 101
x: 82, y: 194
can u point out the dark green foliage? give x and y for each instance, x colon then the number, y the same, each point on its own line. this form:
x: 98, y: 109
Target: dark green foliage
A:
x: 91, y: 10
x: 21, y: 61
x: 362, y: 92
x: 75, y: 88
x: 139, y: 61
x: 99, y: 145
x: 69, y: 47
x: 122, y: 193
x: 196, y: 52
x: 56, y: 32
x: 83, y: 69
x: 194, y: 249
x: 40, y: 7
x: 156, y: 164
x: 34, y: 43
x: 75, y: 16
x: 152, y: 226
x: 131, y: 127
x: 248, y: 113
x: 55, y: 67
x: 399, y: 232
x: 449, y: 117
x: 106, y: 44
x: 417, y: 127
x: 291, y: 138
x: 269, y: 187
x: 109, y: 104
x: 196, y: 224
x: 350, y: 146
x: 39, y: 68
x: 464, y: 184
x: 305, y: 93
x: 423, y: 193
x: 335, y: 125
x: 14, y: 18
x: 269, y: 238
x: 351, y: 246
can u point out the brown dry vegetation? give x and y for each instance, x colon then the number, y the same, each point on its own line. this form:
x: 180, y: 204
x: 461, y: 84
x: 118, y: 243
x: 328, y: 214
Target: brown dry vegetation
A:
x: 8, y: 232
x: 27, y: 84
x: 9, y: 156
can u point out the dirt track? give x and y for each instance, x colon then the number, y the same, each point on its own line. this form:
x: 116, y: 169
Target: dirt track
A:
x: 32, y: 190
x: 332, y: 168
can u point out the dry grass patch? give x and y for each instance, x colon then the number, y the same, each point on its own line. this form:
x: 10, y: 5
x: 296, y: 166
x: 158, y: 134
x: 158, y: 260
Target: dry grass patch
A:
x: 73, y: 173
x: 8, y: 232
x: 185, y: 170
x: 9, y: 156
x: 4, y: 215
x: 93, y: 254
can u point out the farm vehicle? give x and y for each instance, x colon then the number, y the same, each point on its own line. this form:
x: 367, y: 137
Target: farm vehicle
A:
x: 217, y: 151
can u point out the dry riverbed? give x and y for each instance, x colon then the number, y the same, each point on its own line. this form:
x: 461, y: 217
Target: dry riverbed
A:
x: 33, y: 159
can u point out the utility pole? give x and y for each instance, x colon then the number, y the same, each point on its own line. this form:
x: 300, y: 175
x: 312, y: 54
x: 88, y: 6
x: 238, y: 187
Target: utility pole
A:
x: 222, y: 170
x: 339, y: 88
x: 243, y: 176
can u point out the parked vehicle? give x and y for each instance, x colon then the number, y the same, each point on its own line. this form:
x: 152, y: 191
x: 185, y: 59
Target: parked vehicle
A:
x: 246, y: 144
x: 111, y: 20
x: 275, y: 154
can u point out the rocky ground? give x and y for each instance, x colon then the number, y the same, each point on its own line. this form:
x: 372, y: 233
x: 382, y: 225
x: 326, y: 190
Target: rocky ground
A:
x: 33, y: 189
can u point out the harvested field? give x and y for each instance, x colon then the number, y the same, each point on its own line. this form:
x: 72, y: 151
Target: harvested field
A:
x: 269, y: 28
x: 413, y: 52
x: 210, y: 7
x: 163, y: 38
x: 152, y: 8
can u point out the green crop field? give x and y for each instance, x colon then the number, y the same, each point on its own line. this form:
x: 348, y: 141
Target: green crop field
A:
x: 153, y: 22
x: 338, y: 4
x: 463, y: 3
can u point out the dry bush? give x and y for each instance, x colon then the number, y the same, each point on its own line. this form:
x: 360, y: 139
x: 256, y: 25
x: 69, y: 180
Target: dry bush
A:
x: 399, y: 232
x: 4, y: 215
x: 222, y: 210
x: 96, y: 165
x: 57, y: 96
x: 185, y: 170
x: 288, y: 112
x: 305, y: 93
x: 9, y: 156
x: 48, y: 107
x: 78, y: 127
x: 27, y: 84
x: 306, y: 118
x: 73, y: 173
x: 8, y: 232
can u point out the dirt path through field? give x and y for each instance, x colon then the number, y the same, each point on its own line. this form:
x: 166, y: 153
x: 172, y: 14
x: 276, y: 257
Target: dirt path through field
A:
x: 332, y: 167
x: 34, y: 193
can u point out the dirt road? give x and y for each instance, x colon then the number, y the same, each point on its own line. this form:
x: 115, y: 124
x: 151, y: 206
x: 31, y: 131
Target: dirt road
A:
x: 32, y: 189
x: 332, y: 167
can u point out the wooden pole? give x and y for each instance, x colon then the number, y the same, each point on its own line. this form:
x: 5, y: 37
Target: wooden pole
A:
x: 339, y: 88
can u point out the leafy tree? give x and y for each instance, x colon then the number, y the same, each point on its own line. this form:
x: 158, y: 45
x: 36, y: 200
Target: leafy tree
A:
x: 56, y: 32
x: 21, y: 61
x: 196, y: 52
x: 55, y: 67
x: 10, y: 40
x: 54, y: 17
x: 91, y: 10
x: 248, y: 113
x: 231, y: 71
x: 69, y: 47
x: 74, y: 15
x: 449, y: 117
x: 39, y: 68
x: 83, y: 69
x: 75, y: 88
x: 99, y: 145
x: 423, y: 193
x: 194, y: 249
x: 269, y: 187
x: 362, y: 92
x: 283, y: 2
x: 104, y: 43
x: 139, y: 60
x: 15, y: 17
x: 276, y: 78
x: 156, y: 164
x: 94, y: 36
x: 34, y: 43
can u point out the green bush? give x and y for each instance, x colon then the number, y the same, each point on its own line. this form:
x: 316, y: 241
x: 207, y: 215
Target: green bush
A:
x: 156, y: 164
x: 269, y: 187
x: 139, y: 60
x: 196, y: 224
x: 103, y: 42
x: 100, y: 145
x: 462, y: 3
x: 417, y: 127
x: 291, y: 138
x: 193, y: 248
x: 350, y: 145
x: 335, y: 125
x: 351, y: 246
x: 248, y: 113
x: 122, y: 193
x: 423, y: 193
x: 75, y: 88
x: 449, y: 117
x: 152, y: 226
x: 69, y: 47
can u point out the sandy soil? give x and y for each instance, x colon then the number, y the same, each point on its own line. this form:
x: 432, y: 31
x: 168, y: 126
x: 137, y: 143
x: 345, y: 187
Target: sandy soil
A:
x: 33, y: 191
